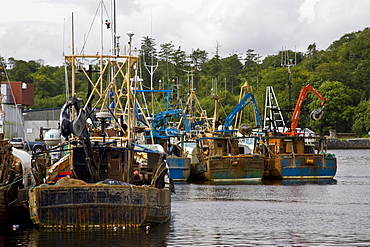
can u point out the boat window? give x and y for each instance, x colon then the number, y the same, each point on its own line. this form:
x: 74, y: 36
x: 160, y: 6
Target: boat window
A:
x: 248, y: 140
x: 190, y: 145
x: 114, y: 155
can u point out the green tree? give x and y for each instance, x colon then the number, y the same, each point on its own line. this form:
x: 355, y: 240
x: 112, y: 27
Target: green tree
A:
x: 276, y: 78
x: 48, y: 81
x: 49, y: 102
x: 336, y: 46
x: 312, y: 52
x: 231, y: 69
x: 198, y: 58
x: 165, y: 54
x: 338, y: 110
x: 335, y: 71
x: 271, y: 61
x: 22, y: 70
x: 361, y: 125
x: 251, y: 66
x: 361, y: 78
x: 178, y: 59
x: 213, y: 67
x: 227, y: 104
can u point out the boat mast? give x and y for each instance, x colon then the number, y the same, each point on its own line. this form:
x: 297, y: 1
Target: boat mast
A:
x: 115, y: 36
x: 73, y: 66
x: 287, y: 62
x: 193, y: 106
x: 217, y: 100
x: 128, y: 169
x: 151, y: 69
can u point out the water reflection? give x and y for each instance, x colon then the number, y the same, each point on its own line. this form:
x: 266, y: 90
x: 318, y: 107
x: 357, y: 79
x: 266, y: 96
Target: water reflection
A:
x: 19, y: 237
x: 230, y: 182
x: 299, y: 181
x: 266, y: 182
x: 322, y: 212
x: 146, y: 236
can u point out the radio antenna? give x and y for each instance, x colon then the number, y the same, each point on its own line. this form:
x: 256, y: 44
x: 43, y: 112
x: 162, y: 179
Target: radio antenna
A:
x: 288, y: 62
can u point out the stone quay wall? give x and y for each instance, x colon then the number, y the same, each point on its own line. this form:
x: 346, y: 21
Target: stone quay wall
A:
x: 355, y: 143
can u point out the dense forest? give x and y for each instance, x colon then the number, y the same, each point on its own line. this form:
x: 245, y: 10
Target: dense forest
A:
x: 341, y: 74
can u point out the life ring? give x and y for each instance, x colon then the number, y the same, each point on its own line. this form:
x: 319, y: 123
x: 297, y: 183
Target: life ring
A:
x: 277, y: 149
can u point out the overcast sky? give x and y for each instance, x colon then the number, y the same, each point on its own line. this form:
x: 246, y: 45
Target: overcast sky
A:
x: 41, y: 29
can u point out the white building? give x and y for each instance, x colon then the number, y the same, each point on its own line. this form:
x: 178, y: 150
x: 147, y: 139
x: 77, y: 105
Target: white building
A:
x: 37, y: 122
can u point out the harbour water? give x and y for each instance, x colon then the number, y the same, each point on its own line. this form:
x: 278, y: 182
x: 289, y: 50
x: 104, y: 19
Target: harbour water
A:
x: 281, y: 213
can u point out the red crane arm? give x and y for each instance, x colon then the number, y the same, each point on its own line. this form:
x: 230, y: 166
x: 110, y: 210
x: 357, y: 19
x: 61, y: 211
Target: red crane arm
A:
x: 297, y: 110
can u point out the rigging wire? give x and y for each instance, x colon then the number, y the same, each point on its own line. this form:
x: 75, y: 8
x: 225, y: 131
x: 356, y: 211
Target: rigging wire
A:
x: 91, y: 25
x: 100, y: 5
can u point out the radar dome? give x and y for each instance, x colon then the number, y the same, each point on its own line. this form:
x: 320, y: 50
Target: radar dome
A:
x: 52, y: 137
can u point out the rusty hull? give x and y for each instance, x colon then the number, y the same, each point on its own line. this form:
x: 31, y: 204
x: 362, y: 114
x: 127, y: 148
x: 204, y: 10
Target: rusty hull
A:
x: 298, y: 158
x: 302, y: 166
x: 234, y: 168
x: 225, y: 161
x: 99, y: 205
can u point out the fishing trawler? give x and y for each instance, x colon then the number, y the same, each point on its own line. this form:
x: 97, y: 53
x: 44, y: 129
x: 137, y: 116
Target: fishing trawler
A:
x: 291, y: 153
x: 17, y: 176
x: 228, y: 157
x: 168, y: 136
x: 103, y: 178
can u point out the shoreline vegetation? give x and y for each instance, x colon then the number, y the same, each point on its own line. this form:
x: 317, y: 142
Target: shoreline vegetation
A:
x: 340, y: 73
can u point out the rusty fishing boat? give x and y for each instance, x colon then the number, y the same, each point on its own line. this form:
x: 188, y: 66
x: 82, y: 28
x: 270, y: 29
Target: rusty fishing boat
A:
x: 226, y: 156
x: 171, y: 139
x: 294, y: 153
x: 103, y: 178
x: 17, y: 176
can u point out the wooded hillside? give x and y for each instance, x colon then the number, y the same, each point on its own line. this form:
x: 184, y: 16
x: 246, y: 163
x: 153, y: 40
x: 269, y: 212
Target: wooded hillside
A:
x: 341, y: 74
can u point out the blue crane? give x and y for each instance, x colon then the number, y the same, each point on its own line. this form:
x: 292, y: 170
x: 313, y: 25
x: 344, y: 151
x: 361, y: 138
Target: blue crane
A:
x: 159, y: 124
x: 248, y: 98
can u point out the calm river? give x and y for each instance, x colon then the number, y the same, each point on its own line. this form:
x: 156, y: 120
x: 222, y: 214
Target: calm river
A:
x: 289, y: 213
